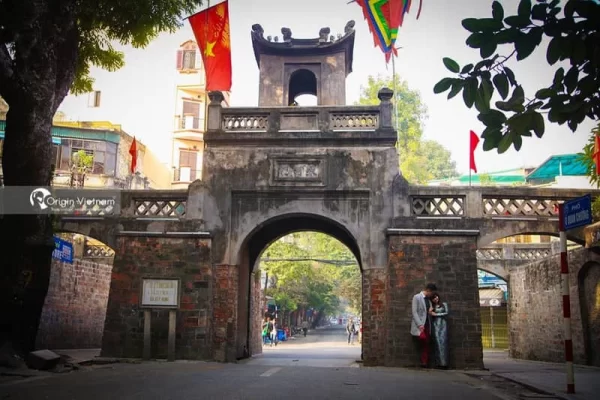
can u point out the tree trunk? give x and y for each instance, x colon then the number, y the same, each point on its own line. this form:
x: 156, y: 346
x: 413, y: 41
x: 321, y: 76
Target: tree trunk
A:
x: 27, y: 243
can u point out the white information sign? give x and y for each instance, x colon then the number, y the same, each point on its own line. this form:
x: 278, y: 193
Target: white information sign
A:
x: 160, y: 293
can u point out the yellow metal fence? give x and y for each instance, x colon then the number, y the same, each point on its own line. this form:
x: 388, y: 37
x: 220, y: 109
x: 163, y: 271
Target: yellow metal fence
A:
x: 494, y: 327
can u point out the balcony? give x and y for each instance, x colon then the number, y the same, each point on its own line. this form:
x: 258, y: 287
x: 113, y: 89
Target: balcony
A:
x: 189, y: 128
x: 186, y: 175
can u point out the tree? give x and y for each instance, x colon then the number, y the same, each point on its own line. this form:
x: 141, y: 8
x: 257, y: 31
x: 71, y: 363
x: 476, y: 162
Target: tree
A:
x: 46, y: 50
x: 571, y: 97
x: 486, y: 180
x: 81, y: 164
x: 416, y: 161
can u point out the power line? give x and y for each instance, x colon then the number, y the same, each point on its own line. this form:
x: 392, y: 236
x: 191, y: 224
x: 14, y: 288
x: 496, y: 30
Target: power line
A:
x: 333, y: 262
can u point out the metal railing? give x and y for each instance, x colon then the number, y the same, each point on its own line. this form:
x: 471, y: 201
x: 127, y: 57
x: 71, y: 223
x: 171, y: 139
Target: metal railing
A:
x: 189, y: 122
x: 186, y: 174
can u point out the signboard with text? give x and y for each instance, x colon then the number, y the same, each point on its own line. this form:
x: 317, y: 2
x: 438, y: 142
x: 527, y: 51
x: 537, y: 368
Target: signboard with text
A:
x: 63, y: 250
x: 577, y: 212
x: 160, y: 293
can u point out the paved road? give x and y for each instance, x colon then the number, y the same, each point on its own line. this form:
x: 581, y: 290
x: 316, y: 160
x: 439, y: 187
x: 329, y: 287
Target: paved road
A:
x: 325, y: 369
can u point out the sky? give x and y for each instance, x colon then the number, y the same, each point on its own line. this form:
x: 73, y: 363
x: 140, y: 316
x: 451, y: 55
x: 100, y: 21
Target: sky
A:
x: 141, y: 96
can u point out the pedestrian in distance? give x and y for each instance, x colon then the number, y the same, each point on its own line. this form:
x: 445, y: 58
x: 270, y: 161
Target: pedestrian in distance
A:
x: 274, y: 333
x: 351, y: 331
x: 305, y: 327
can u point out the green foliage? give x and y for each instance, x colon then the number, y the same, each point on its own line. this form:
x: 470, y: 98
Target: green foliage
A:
x: 82, y: 162
x: 587, y: 157
x: 310, y: 283
x: 486, y: 180
x: 420, y: 161
x: 570, y: 98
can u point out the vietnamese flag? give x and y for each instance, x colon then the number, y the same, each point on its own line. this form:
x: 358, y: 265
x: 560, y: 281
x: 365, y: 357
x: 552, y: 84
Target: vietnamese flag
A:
x: 596, y: 155
x: 211, y: 29
x: 133, y: 152
x: 473, y: 146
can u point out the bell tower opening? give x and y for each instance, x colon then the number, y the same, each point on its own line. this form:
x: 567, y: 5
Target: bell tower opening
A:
x: 302, y: 88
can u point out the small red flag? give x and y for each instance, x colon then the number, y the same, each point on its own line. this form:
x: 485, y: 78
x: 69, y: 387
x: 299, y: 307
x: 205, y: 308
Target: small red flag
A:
x: 133, y: 152
x: 596, y: 155
x: 474, y: 143
x: 211, y: 29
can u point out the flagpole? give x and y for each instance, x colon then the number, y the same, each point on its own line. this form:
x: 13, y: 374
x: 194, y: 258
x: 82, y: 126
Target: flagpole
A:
x: 395, y: 100
x: 470, y: 159
x: 204, y: 67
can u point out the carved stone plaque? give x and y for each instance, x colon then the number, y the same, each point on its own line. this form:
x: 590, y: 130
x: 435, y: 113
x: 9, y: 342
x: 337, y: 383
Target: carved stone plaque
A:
x: 297, y: 171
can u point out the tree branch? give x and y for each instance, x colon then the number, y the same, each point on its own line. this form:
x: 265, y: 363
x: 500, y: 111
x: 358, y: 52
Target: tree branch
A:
x: 7, y: 85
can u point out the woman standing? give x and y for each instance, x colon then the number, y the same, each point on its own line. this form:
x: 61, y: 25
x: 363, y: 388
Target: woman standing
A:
x: 439, y: 312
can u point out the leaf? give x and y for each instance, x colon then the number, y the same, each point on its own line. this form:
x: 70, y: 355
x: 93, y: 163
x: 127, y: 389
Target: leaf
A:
x: 501, y: 83
x: 578, y: 51
x: 527, y: 43
x: 554, y: 50
x: 457, y: 86
x: 466, y: 69
x: 518, y: 96
x: 510, y: 75
x: 518, y: 142
x: 471, y: 24
x: 492, y: 131
x: 497, y: 11
x: 571, y: 79
x: 517, y: 22
x: 557, y: 82
x: 451, y: 65
x: 504, y: 143
x: 507, y: 36
x: 483, y: 63
x: 520, y: 123
x: 470, y: 92
x: 524, y: 9
x: 487, y: 90
x: 480, y: 104
x: 544, y: 93
x: 443, y: 85
x: 492, y: 118
x: 538, y: 125
x: 491, y: 143
x: 475, y: 40
x: 587, y: 9
x: 487, y: 49
x: 539, y: 12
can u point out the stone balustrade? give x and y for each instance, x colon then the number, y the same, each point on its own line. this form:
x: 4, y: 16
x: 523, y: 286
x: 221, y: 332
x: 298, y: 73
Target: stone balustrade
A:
x: 515, y: 251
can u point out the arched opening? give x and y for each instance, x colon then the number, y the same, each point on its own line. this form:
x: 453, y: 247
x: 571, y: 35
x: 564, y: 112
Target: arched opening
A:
x: 310, y: 242
x: 75, y: 305
x: 589, y: 303
x: 302, y: 89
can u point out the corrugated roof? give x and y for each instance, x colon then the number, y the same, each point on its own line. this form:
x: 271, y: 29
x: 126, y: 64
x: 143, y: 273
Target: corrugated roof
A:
x: 77, y: 133
x: 489, y: 294
x: 566, y: 164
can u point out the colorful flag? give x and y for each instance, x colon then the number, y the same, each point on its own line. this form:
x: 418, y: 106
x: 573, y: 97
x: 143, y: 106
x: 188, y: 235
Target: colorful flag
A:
x: 596, y: 155
x: 384, y: 18
x: 133, y: 152
x: 474, y: 143
x: 211, y: 29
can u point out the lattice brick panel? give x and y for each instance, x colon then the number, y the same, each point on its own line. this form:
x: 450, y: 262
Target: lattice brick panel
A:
x: 515, y: 207
x: 245, y: 122
x: 95, y: 251
x: 160, y: 208
x: 354, y: 121
x: 489, y: 254
x: 532, y: 254
x: 437, y: 206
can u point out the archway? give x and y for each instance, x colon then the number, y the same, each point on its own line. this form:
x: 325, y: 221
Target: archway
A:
x: 249, y: 338
x: 75, y: 305
x: 303, y: 83
x: 589, y: 303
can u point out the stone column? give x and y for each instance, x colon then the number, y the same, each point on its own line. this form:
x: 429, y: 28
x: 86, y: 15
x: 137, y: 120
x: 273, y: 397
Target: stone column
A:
x: 385, y: 108
x: 214, y: 110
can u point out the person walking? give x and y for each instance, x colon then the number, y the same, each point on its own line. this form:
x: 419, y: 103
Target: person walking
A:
x: 274, y: 333
x: 420, y: 327
x: 439, y: 331
x: 350, y: 330
x: 265, y: 325
x: 305, y: 327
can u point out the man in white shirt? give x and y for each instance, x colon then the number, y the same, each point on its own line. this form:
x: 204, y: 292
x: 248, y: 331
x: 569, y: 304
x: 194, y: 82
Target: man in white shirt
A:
x: 420, y: 326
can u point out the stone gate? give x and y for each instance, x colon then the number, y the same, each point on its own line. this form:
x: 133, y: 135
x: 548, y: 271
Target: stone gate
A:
x: 277, y: 169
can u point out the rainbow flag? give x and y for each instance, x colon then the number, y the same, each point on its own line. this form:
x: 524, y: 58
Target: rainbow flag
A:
x: 385, y: 17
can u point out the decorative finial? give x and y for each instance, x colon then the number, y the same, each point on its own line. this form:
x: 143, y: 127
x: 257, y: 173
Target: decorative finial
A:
x: 276, y: 39
x: 258, y: 30
x: 349, y: 27
x: 323, y: 34
x: 331, y: 38
x: 269, y: 38
x: 287, y: 34
x: 339, y: 36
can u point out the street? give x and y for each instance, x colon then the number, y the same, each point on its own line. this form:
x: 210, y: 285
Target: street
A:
x: 320, y: 366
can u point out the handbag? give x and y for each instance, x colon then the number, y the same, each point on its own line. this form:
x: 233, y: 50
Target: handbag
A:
x: 422, y: 335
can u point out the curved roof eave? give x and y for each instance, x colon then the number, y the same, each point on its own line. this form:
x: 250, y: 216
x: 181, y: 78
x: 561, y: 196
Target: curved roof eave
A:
x: 303, y: 47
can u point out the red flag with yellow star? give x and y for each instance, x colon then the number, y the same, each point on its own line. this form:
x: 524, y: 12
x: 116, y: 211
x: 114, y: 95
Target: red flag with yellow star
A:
x: 211, y: 29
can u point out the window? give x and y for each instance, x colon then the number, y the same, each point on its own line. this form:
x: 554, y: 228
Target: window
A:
x: 191, y: 115
x: 188, y: 163
x: 94, y: 99
x: 104, y: 153
x: 189, y: 59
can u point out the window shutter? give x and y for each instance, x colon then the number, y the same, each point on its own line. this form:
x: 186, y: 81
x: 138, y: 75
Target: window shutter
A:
x: 179, y: 59
x: 191, y: 108
x: 198, y: 60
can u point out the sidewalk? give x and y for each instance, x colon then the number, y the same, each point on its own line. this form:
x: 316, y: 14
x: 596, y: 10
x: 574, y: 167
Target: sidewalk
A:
x: 547, y: 377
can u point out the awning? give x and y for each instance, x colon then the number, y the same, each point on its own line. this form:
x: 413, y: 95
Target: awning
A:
x: 55, y: 140
x: 491, y: 298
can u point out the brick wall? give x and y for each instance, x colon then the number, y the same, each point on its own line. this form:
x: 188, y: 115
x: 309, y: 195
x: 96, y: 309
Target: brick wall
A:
x: 75, y: 306
x: 374, y: 307
x: 184, y: 258
x: 225, y: 297
x: 535, y: 309
x: 256, y: 312
x: 449, y: 262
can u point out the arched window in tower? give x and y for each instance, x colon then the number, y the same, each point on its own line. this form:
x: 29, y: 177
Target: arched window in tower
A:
x: 303, y: 88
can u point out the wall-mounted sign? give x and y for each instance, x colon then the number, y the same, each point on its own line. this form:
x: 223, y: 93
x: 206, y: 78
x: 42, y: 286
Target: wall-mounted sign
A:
x: 160, y: 293
x: 63, y: 250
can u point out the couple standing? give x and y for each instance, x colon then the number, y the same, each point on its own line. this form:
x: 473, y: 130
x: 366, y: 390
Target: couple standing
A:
x: 429, y: 325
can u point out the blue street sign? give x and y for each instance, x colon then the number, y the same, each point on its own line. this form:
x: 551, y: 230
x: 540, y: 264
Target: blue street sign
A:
x: 63, y: 250
x: 577, y: 212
